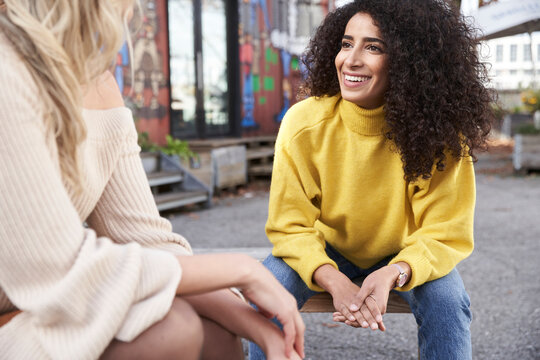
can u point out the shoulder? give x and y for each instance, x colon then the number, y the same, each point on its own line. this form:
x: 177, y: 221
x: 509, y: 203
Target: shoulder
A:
x: 103, y: 93
x: 110, y: 124
x: 307, y: 114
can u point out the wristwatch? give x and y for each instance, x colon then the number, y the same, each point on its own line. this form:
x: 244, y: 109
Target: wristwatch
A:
x: 402, y: 278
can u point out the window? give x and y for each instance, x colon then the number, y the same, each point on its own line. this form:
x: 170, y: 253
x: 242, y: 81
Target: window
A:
x: 528, y: 72
x: 513, y: 72
x: 499, y: 53
x: 513, y: 52
x: 527, y: 52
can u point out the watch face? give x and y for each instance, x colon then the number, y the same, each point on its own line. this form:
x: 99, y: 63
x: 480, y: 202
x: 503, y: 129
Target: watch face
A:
x: 402, y: 279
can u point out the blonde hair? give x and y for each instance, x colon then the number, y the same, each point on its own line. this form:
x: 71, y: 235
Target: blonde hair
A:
x: 66, y: 44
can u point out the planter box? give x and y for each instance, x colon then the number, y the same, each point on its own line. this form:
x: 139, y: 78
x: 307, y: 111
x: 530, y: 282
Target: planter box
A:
x: 150, y: 161
x: 526, y: 152
x: 230, y: 166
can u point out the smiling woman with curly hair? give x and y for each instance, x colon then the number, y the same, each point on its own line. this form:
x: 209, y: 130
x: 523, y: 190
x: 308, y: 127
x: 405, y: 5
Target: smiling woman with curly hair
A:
x: 436, y: 98
x: 373, y: 172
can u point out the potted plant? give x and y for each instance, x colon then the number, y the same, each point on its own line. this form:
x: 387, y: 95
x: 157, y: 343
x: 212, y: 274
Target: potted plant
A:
x: 527, y: 139
x: 149, y: 153
x: 180, y: 149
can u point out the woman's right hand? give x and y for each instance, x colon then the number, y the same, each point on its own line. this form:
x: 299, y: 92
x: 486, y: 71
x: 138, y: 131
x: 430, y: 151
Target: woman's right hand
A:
x: 273, y: 300
x: 271, y: 341
x: 203, y: 273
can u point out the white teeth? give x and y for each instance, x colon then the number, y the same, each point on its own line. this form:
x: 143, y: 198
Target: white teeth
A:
x: 356, y: 78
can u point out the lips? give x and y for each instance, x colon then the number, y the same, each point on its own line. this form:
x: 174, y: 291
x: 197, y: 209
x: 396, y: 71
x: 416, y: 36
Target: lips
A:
x: 354, y: 81
x: 354, y: 78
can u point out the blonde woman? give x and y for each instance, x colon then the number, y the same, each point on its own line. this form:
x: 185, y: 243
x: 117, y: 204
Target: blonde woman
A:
x: 125, y: 286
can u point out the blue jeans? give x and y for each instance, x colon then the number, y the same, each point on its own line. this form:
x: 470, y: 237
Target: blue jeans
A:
x: 441, y: 307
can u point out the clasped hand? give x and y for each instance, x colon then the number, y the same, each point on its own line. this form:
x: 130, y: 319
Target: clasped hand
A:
x: 364, y: 306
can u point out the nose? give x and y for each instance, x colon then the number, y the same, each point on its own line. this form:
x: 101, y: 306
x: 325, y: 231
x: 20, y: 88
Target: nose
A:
x: 354, y: 58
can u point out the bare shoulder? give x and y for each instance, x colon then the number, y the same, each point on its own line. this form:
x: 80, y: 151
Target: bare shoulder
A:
x: 103, y: 94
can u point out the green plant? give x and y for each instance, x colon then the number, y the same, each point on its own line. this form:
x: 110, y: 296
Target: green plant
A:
x: 527, y: 129
x: 531, y: 100
x: 145, y: 143
x: 178, y: 147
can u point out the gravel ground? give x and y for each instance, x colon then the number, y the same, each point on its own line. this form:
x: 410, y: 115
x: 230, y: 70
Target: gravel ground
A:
x: 502, y: 275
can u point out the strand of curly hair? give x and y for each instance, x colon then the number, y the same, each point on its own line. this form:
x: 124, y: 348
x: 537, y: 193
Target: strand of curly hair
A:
x: 437, y: 103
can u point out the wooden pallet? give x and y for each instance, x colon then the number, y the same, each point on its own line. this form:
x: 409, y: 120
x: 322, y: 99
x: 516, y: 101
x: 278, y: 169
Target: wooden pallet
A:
x: 259, y: 151
x: 526, y: 156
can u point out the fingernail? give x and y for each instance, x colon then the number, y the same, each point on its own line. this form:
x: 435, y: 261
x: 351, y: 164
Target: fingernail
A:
x: 354, y: 307
x: 374, y: 326
x: 351, y: 318
x: 378, y: 318
x: 364, y: 324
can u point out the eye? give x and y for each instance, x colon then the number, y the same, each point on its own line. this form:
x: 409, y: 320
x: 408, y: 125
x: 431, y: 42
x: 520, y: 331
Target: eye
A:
x: 345, y: 45
x: 374, y: 48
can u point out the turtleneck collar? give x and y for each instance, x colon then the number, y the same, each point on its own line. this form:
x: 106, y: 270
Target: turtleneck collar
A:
x: 363, y: 121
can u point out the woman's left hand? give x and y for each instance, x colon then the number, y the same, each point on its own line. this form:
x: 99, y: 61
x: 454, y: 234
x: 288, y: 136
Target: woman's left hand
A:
x: 372, y: 299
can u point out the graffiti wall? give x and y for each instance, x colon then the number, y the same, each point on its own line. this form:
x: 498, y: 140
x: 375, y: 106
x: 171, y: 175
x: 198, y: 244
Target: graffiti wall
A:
x: 273, y: 35
x: 147, y: 92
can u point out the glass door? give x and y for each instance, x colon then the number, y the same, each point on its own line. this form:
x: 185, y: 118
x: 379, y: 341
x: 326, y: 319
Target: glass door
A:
x: 214, y: 59
x: 198, y: 66
x: 182, y: 68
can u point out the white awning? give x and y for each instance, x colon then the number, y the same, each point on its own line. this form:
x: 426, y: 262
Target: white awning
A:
x: 504, y: 18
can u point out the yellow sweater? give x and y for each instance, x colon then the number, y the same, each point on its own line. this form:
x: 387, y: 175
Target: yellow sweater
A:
x: 337, y: 180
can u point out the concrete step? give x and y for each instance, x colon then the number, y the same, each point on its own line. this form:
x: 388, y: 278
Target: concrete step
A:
x: 164, y: 178
x: 259, y: 153
x: 259, y: 253
x: 260, y: 170
x: 173, y: 200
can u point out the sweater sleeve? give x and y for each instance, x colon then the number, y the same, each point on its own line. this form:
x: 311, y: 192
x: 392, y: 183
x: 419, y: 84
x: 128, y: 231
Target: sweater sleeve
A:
x: 443, y: 209
x: 76, y: 291
x: 126, y: 211
x: 294, y: 207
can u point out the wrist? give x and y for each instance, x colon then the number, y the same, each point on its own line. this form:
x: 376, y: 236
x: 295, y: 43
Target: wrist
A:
x: 246, y: 273
x: 329, y: 278
x: 402, y: 272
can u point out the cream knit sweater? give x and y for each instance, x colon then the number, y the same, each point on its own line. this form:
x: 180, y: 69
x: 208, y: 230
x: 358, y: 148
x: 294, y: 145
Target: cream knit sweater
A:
x: 78, y: 287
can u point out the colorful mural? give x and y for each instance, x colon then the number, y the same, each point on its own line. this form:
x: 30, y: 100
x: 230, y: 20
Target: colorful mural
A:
x: 147, y: 92
x: 273, y: 35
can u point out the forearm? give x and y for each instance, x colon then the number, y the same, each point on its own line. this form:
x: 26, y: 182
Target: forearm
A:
x: 204, y: 273
x: 228, y: 310
x: 329, y: 278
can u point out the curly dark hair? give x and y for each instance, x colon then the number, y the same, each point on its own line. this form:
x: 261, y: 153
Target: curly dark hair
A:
x: 436, y: 102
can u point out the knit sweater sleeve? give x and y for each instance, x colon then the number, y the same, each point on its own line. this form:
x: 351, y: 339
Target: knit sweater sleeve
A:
x: 443, y: 209
x: 294, y: 203
x: 126, y: 210
x: 76, y: 291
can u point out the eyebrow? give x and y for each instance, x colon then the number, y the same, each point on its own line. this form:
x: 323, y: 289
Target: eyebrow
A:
x: 367, y: 39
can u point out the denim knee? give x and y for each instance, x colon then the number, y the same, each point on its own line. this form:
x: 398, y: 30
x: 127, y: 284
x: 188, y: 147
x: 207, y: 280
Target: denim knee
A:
x: 444, y: 297
x: 442, y: 311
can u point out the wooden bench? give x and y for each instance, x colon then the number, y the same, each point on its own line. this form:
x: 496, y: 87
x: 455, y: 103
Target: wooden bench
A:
x: 321, y: 302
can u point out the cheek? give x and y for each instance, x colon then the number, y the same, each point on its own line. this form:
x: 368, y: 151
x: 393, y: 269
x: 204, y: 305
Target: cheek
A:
x: 339, y: 61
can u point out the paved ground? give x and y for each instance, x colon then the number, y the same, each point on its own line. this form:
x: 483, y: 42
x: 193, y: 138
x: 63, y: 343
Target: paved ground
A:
x: 502, y: 276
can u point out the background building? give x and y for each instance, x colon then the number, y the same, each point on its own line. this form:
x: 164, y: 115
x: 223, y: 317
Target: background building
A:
x: 216, y: 68
x: 513, y: 64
